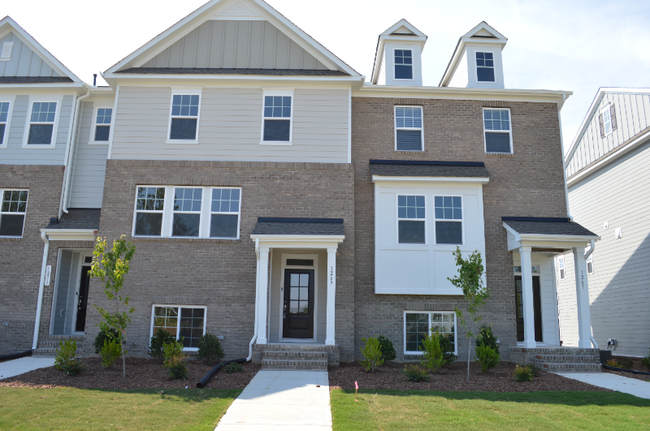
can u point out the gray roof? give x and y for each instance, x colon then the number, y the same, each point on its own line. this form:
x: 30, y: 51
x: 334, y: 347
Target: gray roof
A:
x: 78, y: 218
x: 546, y: 226
x: 298, y: 226
x: 416, y: 168
x: 34, y: 79
x: 230, y: 71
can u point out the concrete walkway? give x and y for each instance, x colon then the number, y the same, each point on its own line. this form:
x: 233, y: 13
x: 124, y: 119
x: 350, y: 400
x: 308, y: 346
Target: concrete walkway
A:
x: 23, y: 365
x: 627, y: 385
x: 281, y: 400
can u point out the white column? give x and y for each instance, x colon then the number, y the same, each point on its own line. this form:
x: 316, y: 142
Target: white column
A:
x: 582, y: 296
x: 263, y: 292
x: 331, y: 297
x: 527, y: 297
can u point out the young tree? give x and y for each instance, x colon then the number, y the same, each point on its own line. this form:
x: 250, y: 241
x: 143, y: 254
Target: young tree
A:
x: 470, y: 281
x: 111, y: 266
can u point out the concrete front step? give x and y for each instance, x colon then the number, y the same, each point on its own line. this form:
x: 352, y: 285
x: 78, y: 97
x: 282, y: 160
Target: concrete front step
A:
x: 297, y: 355
x: 293, y: 364
x: 267, y: 354
x: 571, y: 367
x: 48, y: 345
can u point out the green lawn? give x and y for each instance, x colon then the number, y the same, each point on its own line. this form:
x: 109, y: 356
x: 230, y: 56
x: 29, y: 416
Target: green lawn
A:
x: 424, y: 410
x: 85, y: 409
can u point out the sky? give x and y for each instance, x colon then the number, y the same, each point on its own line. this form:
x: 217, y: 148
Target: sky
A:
x: 572, y: 45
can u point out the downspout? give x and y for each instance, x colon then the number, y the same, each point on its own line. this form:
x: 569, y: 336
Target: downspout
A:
x: 587, y: 254
x: 41, y: 288
x: 566, y: 189
x: 63, y: 205
x: 257, y: 299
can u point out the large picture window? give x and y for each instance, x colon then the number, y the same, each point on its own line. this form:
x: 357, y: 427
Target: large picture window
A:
x: 449, y: 219
x: 418, y: 324
x: 12, y: 212
x: 277, y: 118
x: 408, y: 128
x: 498, y: 136
x: 182, y: 322
x: 411, y: 218
x: 41, y: 123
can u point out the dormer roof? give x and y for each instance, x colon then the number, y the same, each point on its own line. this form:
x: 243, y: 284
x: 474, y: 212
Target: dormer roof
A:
x: 483, y: 34
x: 401, y: 31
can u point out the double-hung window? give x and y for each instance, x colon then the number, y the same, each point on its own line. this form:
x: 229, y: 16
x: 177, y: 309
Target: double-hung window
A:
x: 149, y: 206
x: 418, y: 324
x: 403, y: 64
x: 4, y: 120
x: 184, y: 120
x: 182, y: 322
x: 485, y: 66
x: 449, y: 219
x: 187, y: 211
x: 224, y: 213
x: 411, y: 216
x: 408, y: 128
x: 41, y: 123
x: 12, y: 212
x: 607, y: 120
x: 560, y: 267
x: 102, y: 129
x: 498, y: 136
x: 276, y: 127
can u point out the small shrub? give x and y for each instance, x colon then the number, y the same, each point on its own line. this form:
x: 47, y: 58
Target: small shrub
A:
x: 485, y: 337
x: 388, y: 352
x: 534, y: 370
x: 415, y: 373
x: 110, y: 352
x: 432, y: 358
x: 103, y: 336
x: 174, y: 360
x: 66, y: 358
x: 627, y: 363
x: 372, y: 352
x: 646, y: 362
x: 447, y: 348
x: 159, y: 339
x: 233, y: 367
x: 210, y: 350
x: 522, y: 374
x: 487, y: 357
x: 612, y: 363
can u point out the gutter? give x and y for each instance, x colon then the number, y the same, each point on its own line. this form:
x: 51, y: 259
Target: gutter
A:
x: 41, y: 287
x: 257, y: 299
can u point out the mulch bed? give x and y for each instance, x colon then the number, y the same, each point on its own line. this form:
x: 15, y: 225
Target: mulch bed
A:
x: 141, y: 373
x: 451, y: 378
x: 638, y: 366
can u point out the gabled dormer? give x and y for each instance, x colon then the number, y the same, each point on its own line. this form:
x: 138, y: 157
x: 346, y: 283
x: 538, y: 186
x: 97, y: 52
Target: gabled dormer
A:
x: 398, y: 60
x: 477, y: 60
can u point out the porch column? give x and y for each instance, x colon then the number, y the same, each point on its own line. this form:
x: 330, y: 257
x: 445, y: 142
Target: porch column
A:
x: 582, y: 296
x: 263, y: 292
x: 331, y: 297
x: 527, y: 297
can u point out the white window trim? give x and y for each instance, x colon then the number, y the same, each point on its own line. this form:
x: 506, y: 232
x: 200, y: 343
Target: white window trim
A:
x: 512, y: 149
x: 22, y: 232
x: 168, y: 213
x: 493, y: 67
x: 607, y: 120
x: 421, y: 128
x: 403, y: 48
x: 461, y: 220
x: 5, y: 140
x: 178, y: 325
x: 561, y: 268
x: 184, y: 92
x: 91, y: 140
x: 429, y: 313
x: 55, y: 123
x: 293, y: 106
x: 424, y: 220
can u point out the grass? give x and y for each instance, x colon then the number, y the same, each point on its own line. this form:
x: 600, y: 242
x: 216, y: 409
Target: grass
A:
x: 418, y: 410
x: 83, y: 409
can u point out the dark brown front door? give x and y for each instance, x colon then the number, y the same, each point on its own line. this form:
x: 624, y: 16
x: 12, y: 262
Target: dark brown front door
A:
x: 82, y: 301
x: 298, y: 303
x: 537, y: 308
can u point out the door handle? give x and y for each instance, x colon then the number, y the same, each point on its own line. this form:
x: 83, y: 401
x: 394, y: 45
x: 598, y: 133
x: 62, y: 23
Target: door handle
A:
x: 284, y: 311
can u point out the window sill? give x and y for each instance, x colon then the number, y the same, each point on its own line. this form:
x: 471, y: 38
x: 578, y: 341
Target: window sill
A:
x: 181, y: 142
x: 11, y: 238
x: 276, y: 143
x: 177, y: 239
x: 99, y: 143
x: 499, y: 154
x: 406, y: 152
x: 39, y: 146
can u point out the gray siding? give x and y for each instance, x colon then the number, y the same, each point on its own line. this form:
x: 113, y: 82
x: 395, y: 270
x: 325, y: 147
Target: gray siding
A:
x: 236, y: 44
x: 230, y: 127
x: 633, y: 117
x: 89, y: 169
x: 24, y: 61
x: 63, y: 293
x: 17, y: 155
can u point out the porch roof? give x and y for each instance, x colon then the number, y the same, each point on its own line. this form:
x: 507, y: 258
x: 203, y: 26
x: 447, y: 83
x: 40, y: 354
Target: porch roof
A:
x: 298, y: 226
x: 428, y: 168
x: 547, y: 232
x: 78, y: 218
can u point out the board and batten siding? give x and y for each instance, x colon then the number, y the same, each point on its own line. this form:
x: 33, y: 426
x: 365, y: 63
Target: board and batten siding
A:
x: 24, y: 61
x: 236, y: 44
x: 15, y: 154
x: 633, y: 117
x: 619, y: 288
x: 89, y: 170
x: 230, y: 126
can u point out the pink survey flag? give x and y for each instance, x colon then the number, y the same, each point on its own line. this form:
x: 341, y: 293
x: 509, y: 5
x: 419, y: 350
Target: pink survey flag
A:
x: 356, y: 385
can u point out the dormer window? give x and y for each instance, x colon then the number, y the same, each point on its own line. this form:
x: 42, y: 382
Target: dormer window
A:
x: 607, y: 120
x: 485, y: 67
x: 403, y: 64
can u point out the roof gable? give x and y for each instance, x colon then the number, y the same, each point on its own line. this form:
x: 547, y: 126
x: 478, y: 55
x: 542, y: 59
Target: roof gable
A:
x: 401, y: 31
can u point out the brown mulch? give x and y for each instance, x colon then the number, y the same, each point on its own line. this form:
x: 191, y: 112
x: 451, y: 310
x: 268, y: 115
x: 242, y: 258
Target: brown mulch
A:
x: 638, y: 366
x: 141, y: 373
x: 451, y: 378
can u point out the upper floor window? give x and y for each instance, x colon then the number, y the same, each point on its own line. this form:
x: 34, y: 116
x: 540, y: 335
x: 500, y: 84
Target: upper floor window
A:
x: 184, y: 121
x: 403, y: 64
x: 485, y: 66
x: 449, y: 219
x: 103, y: 118
x: 12, y: 212
x: 4, y: 118
x: 411, y: 219
x: 498, y: 136
x: 41, y: 123
x: 277, y: 118
x: 607, y: 120
x: 408, y: 128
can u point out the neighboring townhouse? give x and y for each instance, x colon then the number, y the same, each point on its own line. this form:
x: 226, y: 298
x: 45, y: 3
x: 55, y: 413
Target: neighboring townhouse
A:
x: 607, y: 177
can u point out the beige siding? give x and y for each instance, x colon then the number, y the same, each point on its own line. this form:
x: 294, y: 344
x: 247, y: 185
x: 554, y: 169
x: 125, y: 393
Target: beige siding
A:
x: 236, y: 44
x: 24, y: 61
x: 230, y: 126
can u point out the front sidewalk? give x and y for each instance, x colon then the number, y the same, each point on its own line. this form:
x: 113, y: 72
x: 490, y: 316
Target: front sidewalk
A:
x: 627, y: 385
x: 23, y: 365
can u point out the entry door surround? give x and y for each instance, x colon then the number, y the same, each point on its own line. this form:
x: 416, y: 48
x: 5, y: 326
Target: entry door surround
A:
x: 283, y: 282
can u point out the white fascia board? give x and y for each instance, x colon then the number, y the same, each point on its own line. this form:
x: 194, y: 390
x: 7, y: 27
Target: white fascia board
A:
x: 137, y: 78
x: 547, y: 241
x: 298, y: 241
x: 485, y: 26
x: 79, y: 88
x: 70, y: 234
x: 407, y: 179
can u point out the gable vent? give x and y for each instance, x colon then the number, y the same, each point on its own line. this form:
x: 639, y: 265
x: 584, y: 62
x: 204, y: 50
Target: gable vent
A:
x: 6, y: 51
x: 237, y: 10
